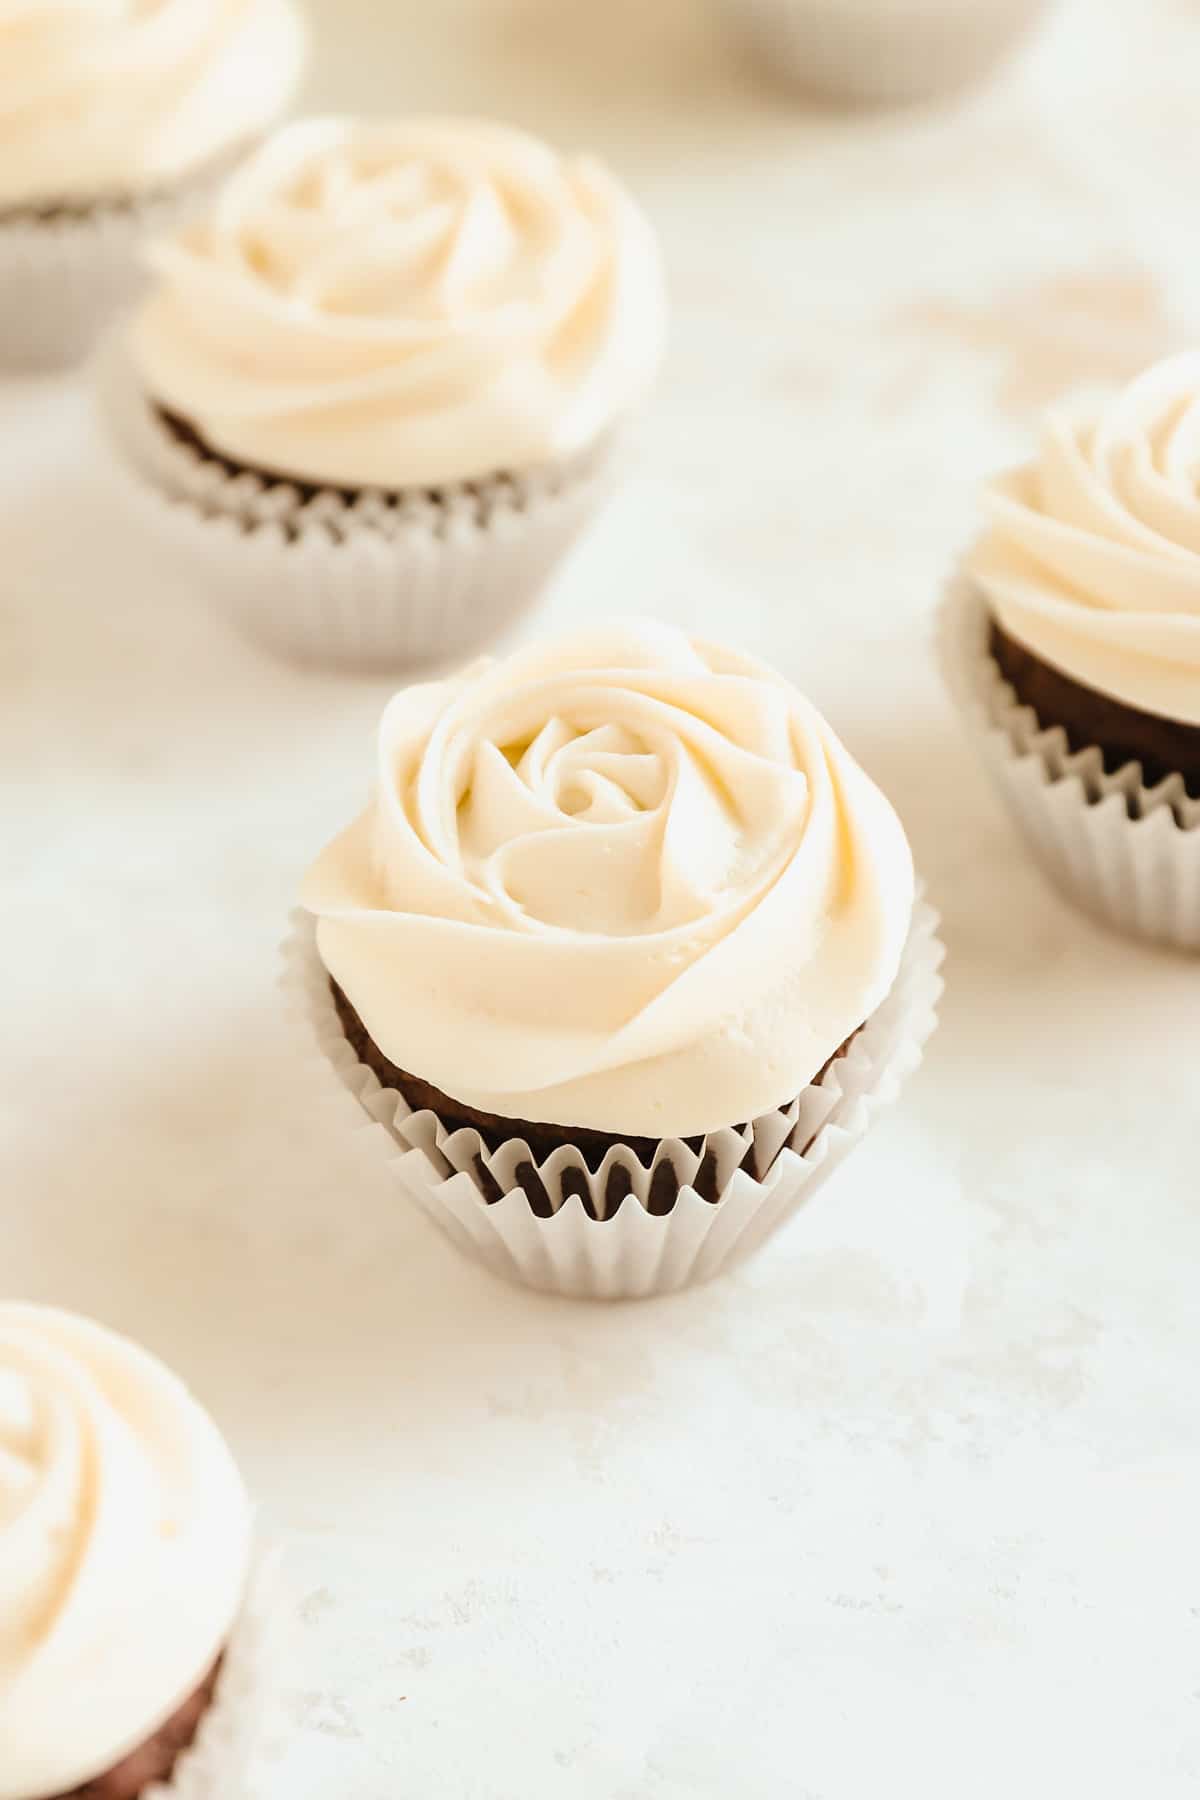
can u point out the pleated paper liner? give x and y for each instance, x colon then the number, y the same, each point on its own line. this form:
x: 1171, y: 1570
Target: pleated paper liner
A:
x: 881, y: 52
x: 217, y: 1764
x: 373, y: 581
x: 64, y: 278
x: 1125, y: 853
x: 550, y: 1226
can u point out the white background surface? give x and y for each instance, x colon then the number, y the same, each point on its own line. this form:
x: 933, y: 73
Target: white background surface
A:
x: 907, y: 1506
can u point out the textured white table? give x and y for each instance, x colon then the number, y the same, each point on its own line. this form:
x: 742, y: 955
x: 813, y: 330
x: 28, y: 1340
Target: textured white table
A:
x: 908, y: 1506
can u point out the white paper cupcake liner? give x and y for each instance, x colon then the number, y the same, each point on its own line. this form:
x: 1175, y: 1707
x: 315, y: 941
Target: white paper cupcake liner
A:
x: 62, y: 280
x: 881, y: 52
x: 635, y: 1253
x: 1127, y: 854
x: 379, y: 581
x: 217, y: 1763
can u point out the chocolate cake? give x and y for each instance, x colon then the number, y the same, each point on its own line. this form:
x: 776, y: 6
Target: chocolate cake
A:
x: 544, y: 1139
x: 1123, y: 734
x: 154, y: 1760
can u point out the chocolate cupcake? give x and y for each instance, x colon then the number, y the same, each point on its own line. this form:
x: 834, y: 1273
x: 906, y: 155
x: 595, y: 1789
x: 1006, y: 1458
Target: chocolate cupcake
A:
x: 622, y: 955
x: 374, y: 397
x: 127, y: 1641
x: 115, y: 121
x: 1073, y: 640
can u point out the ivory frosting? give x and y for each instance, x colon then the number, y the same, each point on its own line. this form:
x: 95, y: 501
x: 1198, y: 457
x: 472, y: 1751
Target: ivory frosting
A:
x: 124, y: 1548
x: 630, y: 881
x: 408, y: 304
x: 1093, y: 557
x: 111, y: 99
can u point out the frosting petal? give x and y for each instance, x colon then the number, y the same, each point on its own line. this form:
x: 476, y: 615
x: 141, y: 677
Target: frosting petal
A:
x: 124, y: 1547
x: 409, y: 304
x: 629, y: 881
x: 1093, y: 558
x: 117, y: 97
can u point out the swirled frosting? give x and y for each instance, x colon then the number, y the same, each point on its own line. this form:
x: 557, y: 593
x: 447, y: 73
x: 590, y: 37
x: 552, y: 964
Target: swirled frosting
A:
x: 398, y: 305
x: 629, y: 881
x: 1093, y: 557
x: 116, y: 97
x: 124, y: 1544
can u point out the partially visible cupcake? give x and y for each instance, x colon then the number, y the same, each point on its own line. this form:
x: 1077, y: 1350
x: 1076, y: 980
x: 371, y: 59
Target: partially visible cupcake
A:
x: 881, y: 52
x: 127, y: 1655
x: 376, y: 394
x: 621, y: 955
x: 1072, y: 638
x: 114, y: 120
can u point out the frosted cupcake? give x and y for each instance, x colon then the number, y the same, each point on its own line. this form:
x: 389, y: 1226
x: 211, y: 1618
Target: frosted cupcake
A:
x: 621, y: 956
x: 126, y: 1645
x: 115, y: 117
x: 374, y: 396
x: 882, y: 52
x: 1073, y: 641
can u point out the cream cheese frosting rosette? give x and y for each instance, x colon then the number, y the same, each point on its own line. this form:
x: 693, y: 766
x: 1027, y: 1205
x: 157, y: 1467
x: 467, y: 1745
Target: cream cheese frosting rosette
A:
x: 413, y: 343
x: 124, y: 1553
x: 1093, y: 560
x: 1072, y: 637
x: 611, y: 894
x: 112, y: 99
x: 115, y: 117
x: 406, y: 305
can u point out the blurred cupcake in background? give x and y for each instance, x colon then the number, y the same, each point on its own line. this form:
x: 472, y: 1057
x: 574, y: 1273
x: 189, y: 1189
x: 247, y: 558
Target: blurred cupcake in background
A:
x: 116, y: 116
x: 1071, y: 638
x: 132, y: 1643
x: 376, y: 393
x: 623, y: 957
x: 881, y: 52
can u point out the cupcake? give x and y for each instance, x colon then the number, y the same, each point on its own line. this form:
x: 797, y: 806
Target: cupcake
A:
x: 375, y: 395
x: 881, y: 52
x: 1072, y: 640
x: 114, y: 120
x: 127, y: 1642
x: 621, y: 957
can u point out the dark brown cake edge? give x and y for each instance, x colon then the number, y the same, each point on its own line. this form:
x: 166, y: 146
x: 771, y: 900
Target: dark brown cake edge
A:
x: 69, y: 210
x: 187, y: 434
x: 544, y: 1139
x: 1122, y: 734
x: 154, y: 1760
